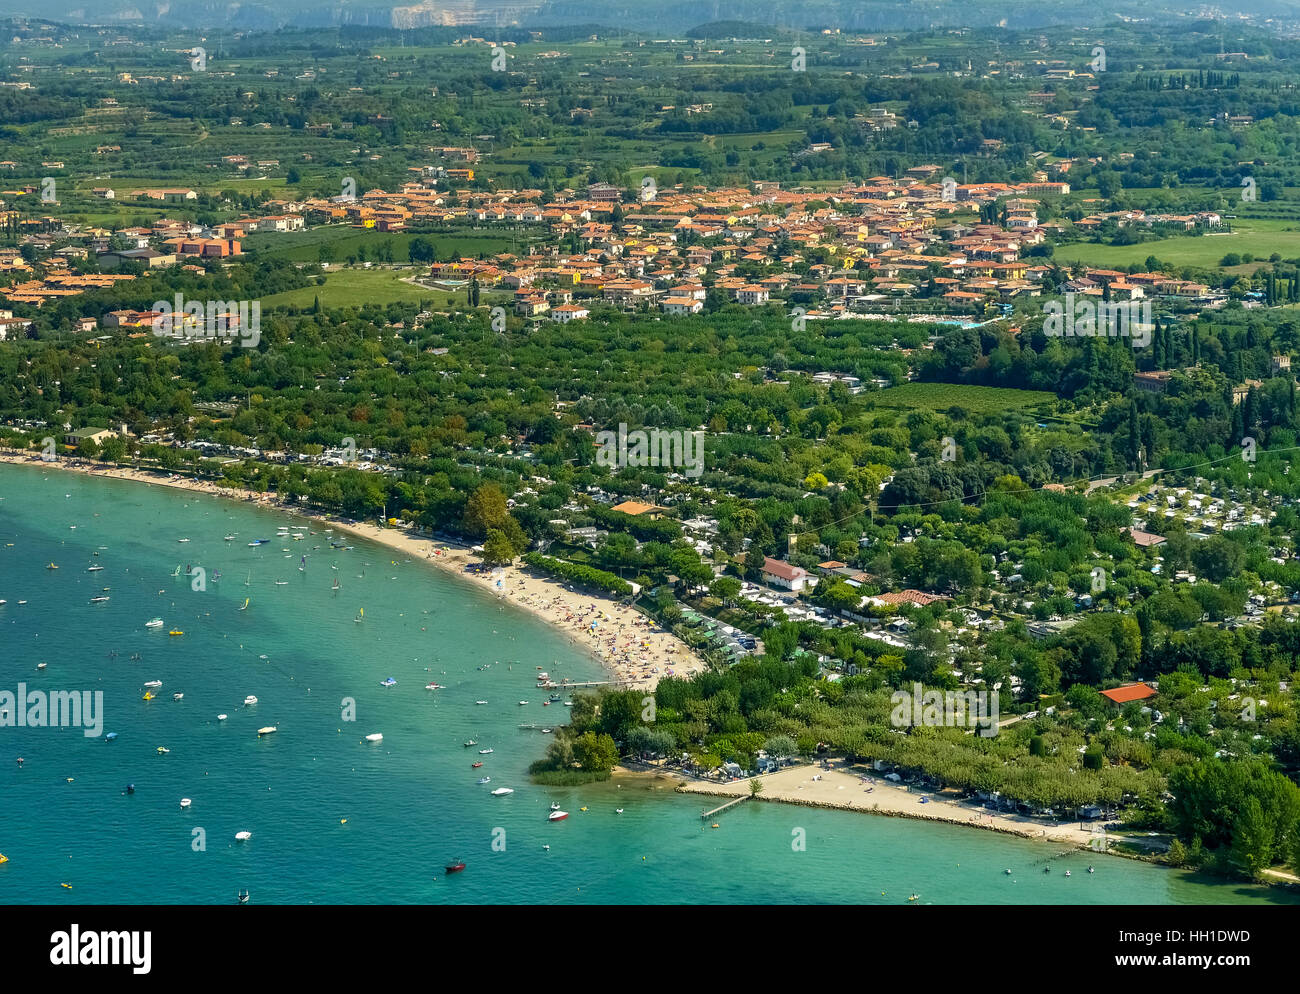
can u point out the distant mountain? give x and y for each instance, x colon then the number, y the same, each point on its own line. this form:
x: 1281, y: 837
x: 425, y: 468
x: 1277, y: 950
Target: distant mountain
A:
x: 663, y: 17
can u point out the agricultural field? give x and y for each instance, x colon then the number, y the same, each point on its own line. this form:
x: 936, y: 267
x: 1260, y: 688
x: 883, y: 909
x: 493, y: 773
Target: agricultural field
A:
x: 1260, y: 237
x: 974, y: 399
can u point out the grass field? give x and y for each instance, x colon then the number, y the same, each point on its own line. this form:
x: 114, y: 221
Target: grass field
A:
x: 354, y: 287
x: 345, y: 240
x: 1259, y: 236
x: 975, y: 399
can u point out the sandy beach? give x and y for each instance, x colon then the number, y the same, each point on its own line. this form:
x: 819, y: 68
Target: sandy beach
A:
x: 635, y: 651
x: 847, y: 790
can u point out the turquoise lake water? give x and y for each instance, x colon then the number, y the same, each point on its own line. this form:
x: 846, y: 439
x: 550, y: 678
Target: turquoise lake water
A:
x: 411, y: 802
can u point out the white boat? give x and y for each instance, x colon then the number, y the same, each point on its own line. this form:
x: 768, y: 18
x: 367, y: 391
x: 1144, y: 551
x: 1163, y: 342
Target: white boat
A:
x: 154, y: 683
x: 618, y: 811
x: 485, y: 780
x: 41, y: 666
x: 163, y: 750
x: 93, y: 569
x: 557, y: 815
x: 177, y: 697
x: 555, y: 805
x: 250, y: 699
x: 154, y: 623
x: 375, y: 737
x: 185, y: 802
x: 522, y: 703
x: 221, y: 717
x: 99, y: 600
x: 182, y: 540
x: 281, y: 583
x: 480, y: 702
x: 502, y: 791
x: 265, y: 730
x: 229, y: 538
x: 243, y: 836
x: 484, y: 752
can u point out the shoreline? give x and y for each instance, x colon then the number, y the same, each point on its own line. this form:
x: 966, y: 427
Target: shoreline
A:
x: 630, y: 648
x: 840, y: 790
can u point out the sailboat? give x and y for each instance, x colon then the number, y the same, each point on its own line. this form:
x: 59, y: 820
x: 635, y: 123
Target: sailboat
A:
x: 249, y: 580
x: 177, y: 570
x: 245, y: 607
x: 336, y: 584
x: 361, y: 614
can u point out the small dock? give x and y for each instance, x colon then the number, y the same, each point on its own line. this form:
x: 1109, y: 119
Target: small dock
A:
x: 730, y: 804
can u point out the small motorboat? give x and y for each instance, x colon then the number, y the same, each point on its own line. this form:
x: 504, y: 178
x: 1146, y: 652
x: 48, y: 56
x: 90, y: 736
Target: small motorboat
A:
x: 1007, y: 871
x: 242, y: 896
x: 522, y: 703
x: 434, y: 686
x: 480, y: 702
x: 555, y: 805
x: 502, y: 791
x: 583, y: 808
x: 915, y: 897
x: 185, y: 802
x: 175, y: 631
x: 455, y: 867
x: 177, y: 697
x: 221, y: 717
x: 130, y: 788
x: 557, y: 815
x: 483, y: 780
x: 375, y: 737
x: 110, y: 736
x: 1091, y: 870
x: 249, y: 700
x: 41, y: 666
x: 229, y: 538
x: 154, y: 683
x: 93, y: 569
x: 163, y: 750
x: 182, y: 540
x: 390, y: 682
x: 100, y: 599
x: 266, y: 730
x: 618, y: 811
x: 154, y: 623
x: 471, y: 742
x: 475, y: 766
x: 484, y: 752
x: 1067, y: 873
x: 243, y: 836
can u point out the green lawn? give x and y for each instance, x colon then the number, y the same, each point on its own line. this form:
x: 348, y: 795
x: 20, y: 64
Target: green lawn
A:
x: 1258, y: 236
x: 354, y: 287
x: 975, y: 399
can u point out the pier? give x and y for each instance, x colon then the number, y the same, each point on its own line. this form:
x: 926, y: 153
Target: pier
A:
x: 732, y: 803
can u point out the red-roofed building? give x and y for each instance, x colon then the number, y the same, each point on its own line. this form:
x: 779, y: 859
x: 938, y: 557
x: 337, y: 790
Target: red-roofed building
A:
x: 1133, y: 692
x: 782, y: 574
x: 917, y: 597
